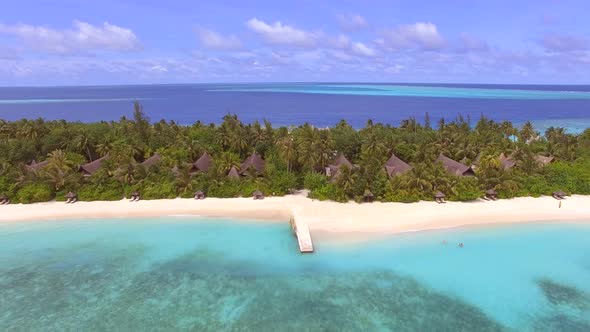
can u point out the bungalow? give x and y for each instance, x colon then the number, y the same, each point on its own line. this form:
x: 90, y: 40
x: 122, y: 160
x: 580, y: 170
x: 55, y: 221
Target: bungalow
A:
x: 255, y: 163
x: 395, y: 166
x: 92, y: 167
x: 455, y: 167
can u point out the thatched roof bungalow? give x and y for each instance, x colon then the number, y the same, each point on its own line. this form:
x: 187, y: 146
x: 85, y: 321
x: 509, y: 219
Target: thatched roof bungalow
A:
x: 233, y: 173
x: 202, y: 164
x: 544, y: 160
x: 455, y: 167
x: 93, y: 166
x: 395, y: 166
x: 35, y: 166
x: 506, y: 162
x: 332, y: 169
x: 254, y: 162
x: 152, y: 161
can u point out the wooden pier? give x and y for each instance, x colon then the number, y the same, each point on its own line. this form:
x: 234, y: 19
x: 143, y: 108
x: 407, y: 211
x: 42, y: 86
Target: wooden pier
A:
x: 301, y: 231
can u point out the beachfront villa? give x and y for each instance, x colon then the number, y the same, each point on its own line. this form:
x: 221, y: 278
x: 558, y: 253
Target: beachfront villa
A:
x: 544, y: 160
x: 506, y: 162
x: 454, y: 167
x: 333, y: 169
x: 233, y: 173
x: 202, y: 164
x: 152, y: 161
x: 254, y: 164
x: 35, y: 166
x: 93, y: 166
x: 395, y: 166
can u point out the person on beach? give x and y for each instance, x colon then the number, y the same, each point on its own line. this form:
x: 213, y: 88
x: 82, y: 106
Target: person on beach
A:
x: 560, y: 204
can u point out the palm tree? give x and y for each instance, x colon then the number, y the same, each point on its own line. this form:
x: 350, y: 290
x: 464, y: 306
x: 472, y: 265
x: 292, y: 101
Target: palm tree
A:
x: 287, y: 150
x: 58, y: 170
x: 527, y: 133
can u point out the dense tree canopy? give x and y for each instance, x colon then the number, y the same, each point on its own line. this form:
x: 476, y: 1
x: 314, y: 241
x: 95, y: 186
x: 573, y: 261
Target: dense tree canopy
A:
x: 295, y: 157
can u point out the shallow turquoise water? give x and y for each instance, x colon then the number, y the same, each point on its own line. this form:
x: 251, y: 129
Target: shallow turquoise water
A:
x: 415, y: 91
x: 204, y: 274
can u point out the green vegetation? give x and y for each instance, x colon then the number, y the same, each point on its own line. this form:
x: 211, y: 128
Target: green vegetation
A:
x: 295, y: 157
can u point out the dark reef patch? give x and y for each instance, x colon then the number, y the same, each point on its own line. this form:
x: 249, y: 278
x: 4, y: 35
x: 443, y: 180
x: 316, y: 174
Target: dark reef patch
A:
x: 559, y: 294
x: 206, y: 291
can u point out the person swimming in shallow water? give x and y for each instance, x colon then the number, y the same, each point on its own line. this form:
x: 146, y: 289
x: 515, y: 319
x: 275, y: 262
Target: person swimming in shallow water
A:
x: 444, y: 242
x: 460, y: 245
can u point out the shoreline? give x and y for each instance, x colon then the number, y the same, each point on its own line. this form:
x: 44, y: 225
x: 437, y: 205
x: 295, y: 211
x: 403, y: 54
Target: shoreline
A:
x: 324, y: 216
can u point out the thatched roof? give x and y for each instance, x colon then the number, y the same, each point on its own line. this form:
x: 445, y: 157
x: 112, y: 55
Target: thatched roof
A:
x: 233, y: 173
x: 559, y: 193
x: 92, y: 167
x: 3, y: 197
x: 70, y: 195
x: 333, y: 169
x: 151, y: 161
x: 203, y: 163
x: 340, y: 161
x: 491, y: 192
x: 35, y: 166
x: 257, y: 193
x: 454, y: 167
x: 199, y: 192
x: 395, y: 166
x: 506, y: 162
x: 439, y: 194
x: 135, y: 193
x: 255, y: 162
x: 368, y: 193
x: 543, y: 160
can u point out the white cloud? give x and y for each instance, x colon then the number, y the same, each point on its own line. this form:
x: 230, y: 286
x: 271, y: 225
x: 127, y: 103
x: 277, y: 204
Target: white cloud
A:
x: 361, y: 49
x: 417, y: 35
x: 82, y: 38
x: 564, y: 43
x: 282, y: 34
x: 469, y: 43
x: 214, y: 41
x: 352, y: 22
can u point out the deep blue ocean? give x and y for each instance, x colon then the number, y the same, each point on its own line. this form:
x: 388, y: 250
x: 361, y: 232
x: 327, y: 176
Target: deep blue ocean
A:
x: 321, y: 104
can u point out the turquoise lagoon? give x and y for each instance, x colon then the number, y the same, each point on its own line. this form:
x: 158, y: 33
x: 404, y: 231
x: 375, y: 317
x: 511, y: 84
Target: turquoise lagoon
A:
x: 184, y: 273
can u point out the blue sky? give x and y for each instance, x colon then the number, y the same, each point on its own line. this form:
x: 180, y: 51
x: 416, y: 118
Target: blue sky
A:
x: 71, y: 42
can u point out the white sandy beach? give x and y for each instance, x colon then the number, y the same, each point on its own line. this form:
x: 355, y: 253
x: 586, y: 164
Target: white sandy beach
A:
x: 323, y: 216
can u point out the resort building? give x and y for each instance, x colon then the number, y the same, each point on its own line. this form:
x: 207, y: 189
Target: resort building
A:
x: 455, y: 167
x: 506, y: 162
x: 93, y: 166
x: 152, y: 161
x: 543, y: 160
x: 233, y: 173
x: 202, y: 164
x: 395, y: 166
x: 253, y: 163
x: 35, y: 166
x: 332, y: 169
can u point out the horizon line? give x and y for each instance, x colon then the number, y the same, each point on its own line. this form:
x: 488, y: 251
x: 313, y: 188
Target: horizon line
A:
x: 281, y: 82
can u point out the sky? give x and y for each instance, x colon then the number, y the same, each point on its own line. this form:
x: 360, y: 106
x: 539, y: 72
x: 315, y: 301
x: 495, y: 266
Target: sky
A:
x: 96, y: 42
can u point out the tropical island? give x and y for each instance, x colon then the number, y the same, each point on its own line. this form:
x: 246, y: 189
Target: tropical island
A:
x: 456, y: 160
